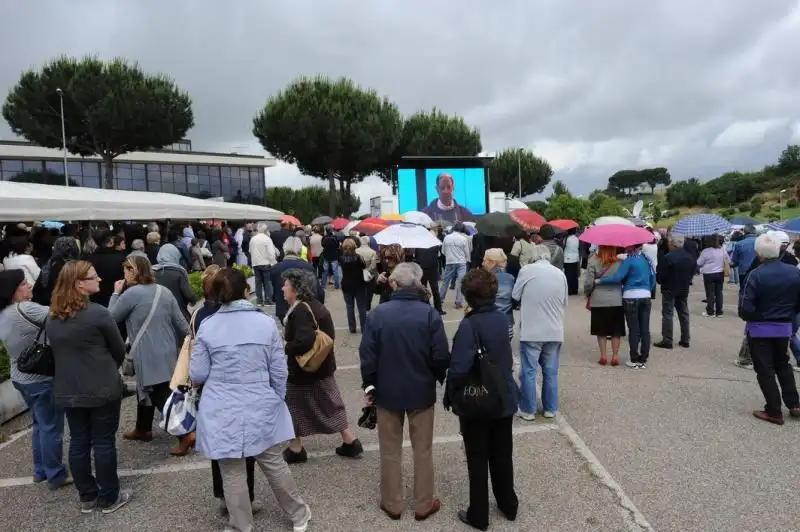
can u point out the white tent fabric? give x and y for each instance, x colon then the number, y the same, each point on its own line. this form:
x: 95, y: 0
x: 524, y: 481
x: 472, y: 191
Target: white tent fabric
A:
x: 28, y: 202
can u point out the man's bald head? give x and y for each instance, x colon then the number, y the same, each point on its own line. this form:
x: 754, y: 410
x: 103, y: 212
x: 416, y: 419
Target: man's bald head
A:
x: 445, y: 187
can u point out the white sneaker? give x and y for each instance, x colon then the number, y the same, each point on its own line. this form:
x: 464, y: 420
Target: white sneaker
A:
x: 743, y: 365
x: 642, y: 365
x: 796, y: 368
x: 707, y: 315
x: 549, y: 415
x: 526, y: 416
x: 632, y: 365
x: 302, y: 526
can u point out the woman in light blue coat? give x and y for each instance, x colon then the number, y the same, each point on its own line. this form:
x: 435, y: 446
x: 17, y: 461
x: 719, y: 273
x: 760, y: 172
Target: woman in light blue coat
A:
x: 238, y: 356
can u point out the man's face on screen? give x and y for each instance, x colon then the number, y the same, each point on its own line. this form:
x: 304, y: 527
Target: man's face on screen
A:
x: 445, y: 189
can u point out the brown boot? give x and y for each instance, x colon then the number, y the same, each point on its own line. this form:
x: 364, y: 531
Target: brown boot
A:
x: 185, y: 444
x: 136, y: 435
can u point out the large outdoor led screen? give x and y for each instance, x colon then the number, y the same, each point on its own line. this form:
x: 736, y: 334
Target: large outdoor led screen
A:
x: 461, y: 196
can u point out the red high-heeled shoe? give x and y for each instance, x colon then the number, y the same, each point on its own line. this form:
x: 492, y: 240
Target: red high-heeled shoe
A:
x: 614, y: 361
x: 603, y: 361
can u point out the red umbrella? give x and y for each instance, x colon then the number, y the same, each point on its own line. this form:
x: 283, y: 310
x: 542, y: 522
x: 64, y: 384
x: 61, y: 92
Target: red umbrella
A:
x: 528, y: 219
x: 371, y: 226
x: 289, y: 219
x: 620, y: 236
x: 339, y: 223
x: 566, y: 225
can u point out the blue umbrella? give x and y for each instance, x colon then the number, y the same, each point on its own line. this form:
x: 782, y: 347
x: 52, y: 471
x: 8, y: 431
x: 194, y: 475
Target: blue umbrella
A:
x: 702, y: 225
x: 744, y: 220
x: 792, y: 226
x: 48, y: 224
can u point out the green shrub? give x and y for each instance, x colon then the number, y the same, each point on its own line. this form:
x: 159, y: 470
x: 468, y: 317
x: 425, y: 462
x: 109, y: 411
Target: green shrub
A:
x: 196, y: 282
x: 744, y: 207
x: 792, y: 203
x: 729, y: 212
x: 5, y: 364
x: 775, y: 208
x: 773, y: 217
x: 246, y: 270
x: 755, y: 206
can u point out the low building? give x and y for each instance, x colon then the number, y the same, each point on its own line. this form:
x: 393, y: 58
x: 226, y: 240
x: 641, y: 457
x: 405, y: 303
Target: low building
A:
x: 177, y: 169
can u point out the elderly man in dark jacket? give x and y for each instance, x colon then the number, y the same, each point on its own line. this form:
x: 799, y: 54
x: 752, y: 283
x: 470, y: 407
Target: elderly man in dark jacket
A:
x: 769, y: 303
x: 292, y: 247
x: 674, y: 273
x: 403, y: 354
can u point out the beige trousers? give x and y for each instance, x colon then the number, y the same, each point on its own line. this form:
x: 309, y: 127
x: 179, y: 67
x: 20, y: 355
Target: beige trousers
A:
x: 390, y: 441
x: 237, y: 498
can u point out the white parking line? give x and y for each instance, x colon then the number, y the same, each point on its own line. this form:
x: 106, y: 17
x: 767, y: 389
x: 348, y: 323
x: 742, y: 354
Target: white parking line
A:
x: 635, y: 519
x: 205, y: 464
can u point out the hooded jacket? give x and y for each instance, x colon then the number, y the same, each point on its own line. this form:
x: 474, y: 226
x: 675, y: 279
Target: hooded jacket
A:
x: 172, y: 276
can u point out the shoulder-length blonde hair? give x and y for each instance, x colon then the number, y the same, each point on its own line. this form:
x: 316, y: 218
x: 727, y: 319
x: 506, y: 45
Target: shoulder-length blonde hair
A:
x: 142, y: 269
x: 66, y: 300
x: 607, y: 255
x: 207, y: 279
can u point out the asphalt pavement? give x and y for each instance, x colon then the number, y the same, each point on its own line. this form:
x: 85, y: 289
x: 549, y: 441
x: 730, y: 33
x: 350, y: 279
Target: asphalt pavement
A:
x: 673, y: 447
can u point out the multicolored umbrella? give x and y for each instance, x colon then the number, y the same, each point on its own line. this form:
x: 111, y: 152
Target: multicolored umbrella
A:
x: 566, y: 225
x: 289, y: 219
x: 339, y: 223
x: 527, y: 219
x: 496, y: 224
x: 372, y: 226
x: 744, y: 220
x: 702, y: 225
x: 615, y: 235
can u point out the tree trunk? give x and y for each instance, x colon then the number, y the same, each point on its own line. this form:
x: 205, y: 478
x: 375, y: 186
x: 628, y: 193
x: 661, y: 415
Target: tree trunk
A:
x: 108, y: 164
x: 393, y: 179
x: 331, y: 194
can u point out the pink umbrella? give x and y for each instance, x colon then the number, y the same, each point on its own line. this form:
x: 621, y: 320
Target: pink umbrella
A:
x: 616, y: 235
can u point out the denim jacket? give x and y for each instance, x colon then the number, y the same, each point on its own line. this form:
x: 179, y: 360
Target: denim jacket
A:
x: 505, y: 286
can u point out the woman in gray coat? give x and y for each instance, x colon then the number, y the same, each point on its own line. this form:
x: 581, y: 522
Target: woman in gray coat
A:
x: 154, y: 345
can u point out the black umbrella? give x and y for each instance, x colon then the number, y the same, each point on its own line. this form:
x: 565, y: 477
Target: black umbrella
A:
x: 321, y: 220
x: 496, y: 224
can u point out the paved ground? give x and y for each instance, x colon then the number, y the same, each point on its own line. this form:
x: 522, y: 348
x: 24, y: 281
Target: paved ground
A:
x: 673, y: 447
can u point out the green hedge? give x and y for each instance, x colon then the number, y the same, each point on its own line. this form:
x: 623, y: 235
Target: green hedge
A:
x: 5, y: 364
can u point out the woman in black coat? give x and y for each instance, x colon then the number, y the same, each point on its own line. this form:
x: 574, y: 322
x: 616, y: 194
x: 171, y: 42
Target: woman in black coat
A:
x: 488, y: 441
x: 313, y: 399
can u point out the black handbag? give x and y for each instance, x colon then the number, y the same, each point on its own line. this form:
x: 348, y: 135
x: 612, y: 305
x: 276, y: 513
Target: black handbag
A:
x: 37, y: 358
x: 483, y: 394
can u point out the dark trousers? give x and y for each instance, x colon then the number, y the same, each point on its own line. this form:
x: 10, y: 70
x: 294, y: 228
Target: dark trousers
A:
x: 263, y: 283
x: 669, y: 304
x: 317, y: 263
x: 770, y: 360
x: 352, y: 299
x: 573, y: 272
x: 637, y: 316
x: 489, y: 447
x: 431, y: 278
x: 145, y: 414
x: 216, y: 478
x: 713, y: 283
x: 94, y: 430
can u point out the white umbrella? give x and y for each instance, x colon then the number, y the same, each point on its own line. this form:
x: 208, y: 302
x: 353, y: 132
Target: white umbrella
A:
x: 348, y: 227
x: 418, y: 218
x: 409, y: 236
x: 612, y: 220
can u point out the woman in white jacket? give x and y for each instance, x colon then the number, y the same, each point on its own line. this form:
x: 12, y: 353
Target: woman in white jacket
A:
x: 20, y: 259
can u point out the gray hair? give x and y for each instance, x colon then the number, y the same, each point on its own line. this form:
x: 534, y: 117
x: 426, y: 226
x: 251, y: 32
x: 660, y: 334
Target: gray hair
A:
x: 540, y: 252
x: 364, y: 241
x: 304, y: 283
x: 768, y: 247
x: 677, y: 240
x: 262, y: 227
x: 138, y: 244
x: 407, y: 275
x: 293, y: 246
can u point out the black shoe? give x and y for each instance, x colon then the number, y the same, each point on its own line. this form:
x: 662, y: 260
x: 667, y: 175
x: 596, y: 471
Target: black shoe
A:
x: 442, y: 313
x: 684, y: 344
x: 464, y: 518
x: 353, y: 449
x: 663, y: 345
x: 292, y: 457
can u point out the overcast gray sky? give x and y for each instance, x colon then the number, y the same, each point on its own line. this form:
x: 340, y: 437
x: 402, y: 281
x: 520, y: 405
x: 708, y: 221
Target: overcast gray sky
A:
x: 592, y: 86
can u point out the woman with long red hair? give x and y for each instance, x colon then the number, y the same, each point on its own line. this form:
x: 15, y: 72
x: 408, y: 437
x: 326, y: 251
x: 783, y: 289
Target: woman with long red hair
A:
x: 605, y: 303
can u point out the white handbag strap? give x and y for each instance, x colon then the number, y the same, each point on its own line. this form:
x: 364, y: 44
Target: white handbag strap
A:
x: 147, y: 320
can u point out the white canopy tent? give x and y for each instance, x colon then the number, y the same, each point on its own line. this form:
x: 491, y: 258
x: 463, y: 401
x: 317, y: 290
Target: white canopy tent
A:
x: 27, y: 202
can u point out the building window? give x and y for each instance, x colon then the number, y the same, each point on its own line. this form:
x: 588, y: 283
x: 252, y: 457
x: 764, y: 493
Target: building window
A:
x: 32, y: 166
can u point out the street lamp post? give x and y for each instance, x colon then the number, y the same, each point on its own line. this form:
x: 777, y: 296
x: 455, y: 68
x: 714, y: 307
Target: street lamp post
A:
x: 63, y: 136
x: 780, y: 201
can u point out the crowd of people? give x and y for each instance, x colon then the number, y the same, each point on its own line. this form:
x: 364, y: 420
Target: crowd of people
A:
x: 108, y: 309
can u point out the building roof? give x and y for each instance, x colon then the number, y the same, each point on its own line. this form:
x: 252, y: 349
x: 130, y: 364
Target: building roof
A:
x: 11, y: 149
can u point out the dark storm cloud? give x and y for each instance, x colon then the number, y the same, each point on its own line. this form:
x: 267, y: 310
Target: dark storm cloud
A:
x: 593, y: 86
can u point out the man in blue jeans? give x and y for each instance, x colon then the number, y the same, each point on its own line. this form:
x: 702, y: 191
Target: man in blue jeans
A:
x: 456, y: 251
x: 541, y: 288
x: 262, y: 257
